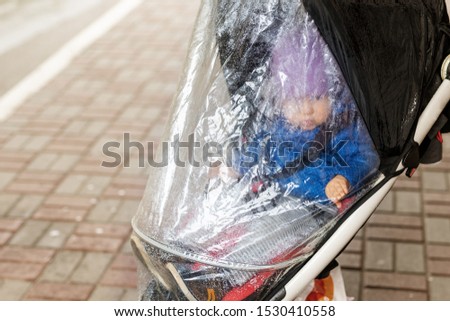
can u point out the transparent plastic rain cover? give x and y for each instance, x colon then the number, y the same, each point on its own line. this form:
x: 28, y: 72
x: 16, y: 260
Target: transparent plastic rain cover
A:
x: 264, y: 153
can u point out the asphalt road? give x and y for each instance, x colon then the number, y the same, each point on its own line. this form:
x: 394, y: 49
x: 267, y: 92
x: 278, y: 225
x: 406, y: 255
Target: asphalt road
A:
x: 32, y: 30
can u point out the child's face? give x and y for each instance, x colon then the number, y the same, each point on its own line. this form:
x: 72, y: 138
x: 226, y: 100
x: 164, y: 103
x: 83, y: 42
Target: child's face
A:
x: 307, y: 113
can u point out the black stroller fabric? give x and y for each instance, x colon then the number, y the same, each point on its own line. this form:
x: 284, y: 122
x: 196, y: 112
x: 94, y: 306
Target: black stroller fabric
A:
x: 391, y: 86
x: 353, y: 75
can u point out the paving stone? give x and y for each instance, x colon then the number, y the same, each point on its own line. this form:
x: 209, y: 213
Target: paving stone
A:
x: 356, y: 245
x: 64, y: 163
x: 126, y: 211
x: 124, y: 261
x: 30, y: 187
x: 14, y: 156
x: 151, y: 114
x: 7, y: 201
x: 75, y: 202
x: 36, y: 143
x: 395, y: 220
x: 20, y: 271
x: 91, y: 268
x: 12, y: 165
x: 120, y: 278
x: 60, y: 214
x: 57, y: 291
x: 436, y: 197
x: 126, y: 247
x: 62, y: 266
x: 130, y: 295
x: 130, y: 181
x: 107, y: 293
x: 4, y: 237
x: 442, y: 165
x: 71, y: 184
x: 108, y: 230
x: 95, y: 185
x: 60, y: 113
x: 352, y: 282
x: 98, y: 244
x: 75, y: 127
x: 91, y: 114
x: 440, y: 289
x: 446, y: 142
x: 434, y: 180
x: 437, y: 230
x: 43, y: 177
x: 124, y: 193
x: 408, y: 202
x: 25, y: 255
x: 92, y: 165
x: 379, y: 256
x: 394, y: 234
x: 13, y: 290
x: 56, y: 235
x: 43, y: 162
x: 16, y: 142
x: 393, y: 295
x: 131, y: 113
x: 43, y: 126
x: 350, y: 260
x: 387, y: 205
x: 437, y: 210
x: 438, y: 251
x: 26, y: 206
x: 399, y: 281
x: 409, y: 258
x: 104, y: 210
x: 101, y: 150
x: 5, y: 179
x: 95, y: 127
x: 439, y: 267
x: 70, y: 148
x: 136, y: 170
x: 29, y: 233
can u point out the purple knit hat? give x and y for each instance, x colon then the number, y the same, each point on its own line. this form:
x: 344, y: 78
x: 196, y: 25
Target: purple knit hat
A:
x: 301, y: 64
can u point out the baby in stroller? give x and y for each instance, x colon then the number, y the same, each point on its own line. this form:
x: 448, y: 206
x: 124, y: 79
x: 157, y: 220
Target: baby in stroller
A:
x: 315, y: 146
x: 306, y: 151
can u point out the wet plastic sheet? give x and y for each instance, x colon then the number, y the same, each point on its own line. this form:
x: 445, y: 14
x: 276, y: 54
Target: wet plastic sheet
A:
x: 264, y: 153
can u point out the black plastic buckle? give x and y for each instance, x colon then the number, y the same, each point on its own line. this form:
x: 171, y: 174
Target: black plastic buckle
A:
x: 412, y: 160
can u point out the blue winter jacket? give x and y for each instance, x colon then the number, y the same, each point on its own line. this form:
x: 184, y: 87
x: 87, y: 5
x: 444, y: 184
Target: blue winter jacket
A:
x: 349, y: 152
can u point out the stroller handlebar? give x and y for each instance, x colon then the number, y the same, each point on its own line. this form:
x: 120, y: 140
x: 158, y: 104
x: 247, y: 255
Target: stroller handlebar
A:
x: 434, y: 108
x: 445, y: 71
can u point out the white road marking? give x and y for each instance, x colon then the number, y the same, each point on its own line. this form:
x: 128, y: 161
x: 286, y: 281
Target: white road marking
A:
x: 50, y: 68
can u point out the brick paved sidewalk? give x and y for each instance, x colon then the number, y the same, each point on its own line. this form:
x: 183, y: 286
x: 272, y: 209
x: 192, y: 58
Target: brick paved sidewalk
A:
x: 65, y: 220
x: 403, y: 253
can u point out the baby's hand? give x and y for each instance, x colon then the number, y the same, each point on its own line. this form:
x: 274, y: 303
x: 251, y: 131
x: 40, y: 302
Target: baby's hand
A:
x: 336, y: 189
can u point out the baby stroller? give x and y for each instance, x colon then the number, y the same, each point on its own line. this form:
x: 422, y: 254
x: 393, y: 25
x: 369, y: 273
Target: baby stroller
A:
x: 292, y: 122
